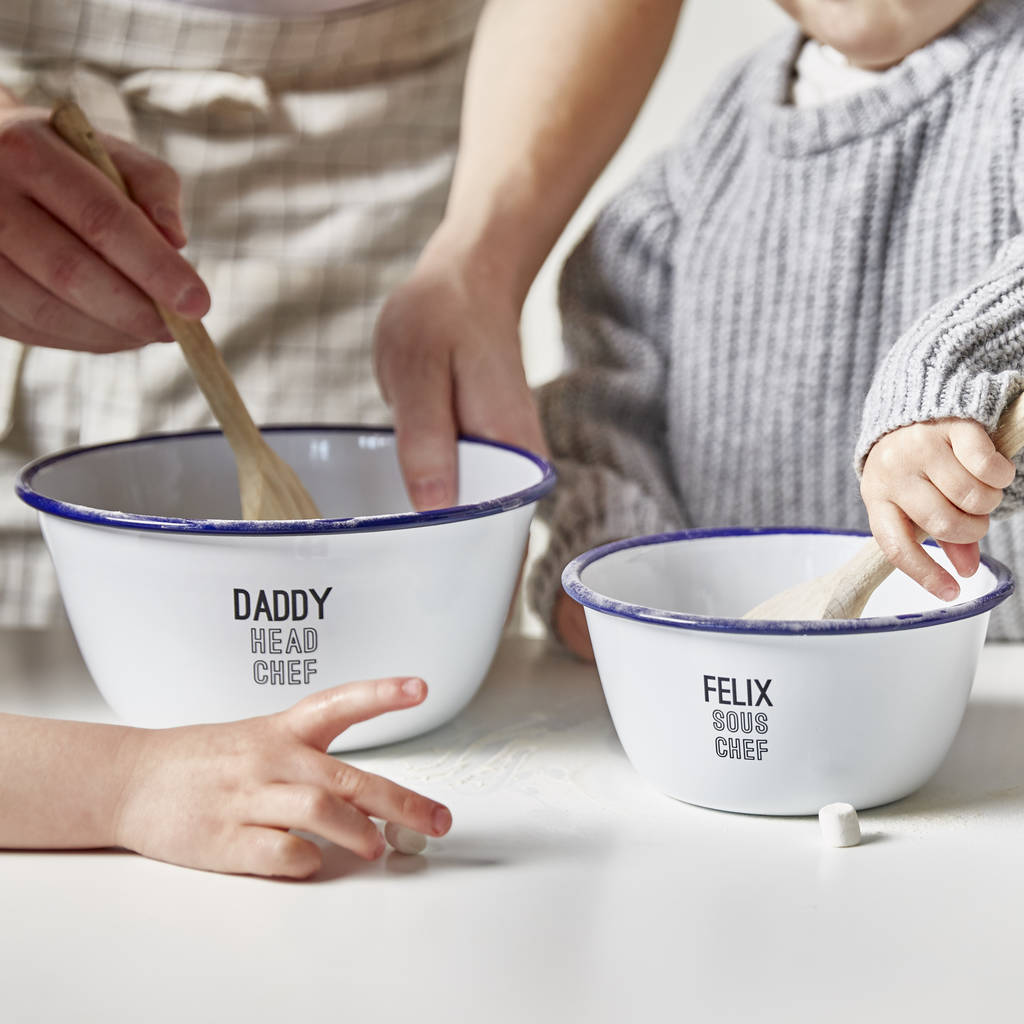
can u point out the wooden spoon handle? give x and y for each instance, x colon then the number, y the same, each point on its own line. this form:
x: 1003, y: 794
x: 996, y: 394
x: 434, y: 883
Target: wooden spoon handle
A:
x: 204, y: 358
x: 1009, y: 433
x: 858, y: 579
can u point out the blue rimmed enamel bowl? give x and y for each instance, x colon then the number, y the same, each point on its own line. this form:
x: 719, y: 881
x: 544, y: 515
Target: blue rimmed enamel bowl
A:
x: 776, y: 717
x: 185, y: 613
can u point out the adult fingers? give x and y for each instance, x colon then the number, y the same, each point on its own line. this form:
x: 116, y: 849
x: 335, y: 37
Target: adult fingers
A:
x: 898, y: 539
x: 313, y: 809
x: 977, y: 453
x: 59, y: 261
x: 153, y: 185
x: 374, y: 795
x: 492, y: 398
x: 18, y: 331
x: 320, y: 717
x: 416, y: 381
x: 106, y: 220
x: 44, y: 319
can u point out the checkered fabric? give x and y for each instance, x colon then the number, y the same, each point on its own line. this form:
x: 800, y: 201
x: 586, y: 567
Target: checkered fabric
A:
x: 315, y: 154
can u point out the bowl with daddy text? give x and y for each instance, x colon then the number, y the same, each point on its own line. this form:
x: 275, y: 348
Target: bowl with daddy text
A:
x: 186, y: 613
x: 773, y: 717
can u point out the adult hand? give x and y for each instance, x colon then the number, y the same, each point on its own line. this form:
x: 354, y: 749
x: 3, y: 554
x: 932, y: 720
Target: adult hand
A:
x: 547, y: 101
x: 448, y: 361
x: 944, y: 477
x: 223, y: 797
x: 80, y: 263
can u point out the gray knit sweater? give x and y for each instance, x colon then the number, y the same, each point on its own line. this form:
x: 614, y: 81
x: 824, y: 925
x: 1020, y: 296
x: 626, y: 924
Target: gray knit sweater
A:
x: 783, y: 287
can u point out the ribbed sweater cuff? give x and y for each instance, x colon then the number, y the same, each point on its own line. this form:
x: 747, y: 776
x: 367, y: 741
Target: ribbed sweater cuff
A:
x: 963, y: 359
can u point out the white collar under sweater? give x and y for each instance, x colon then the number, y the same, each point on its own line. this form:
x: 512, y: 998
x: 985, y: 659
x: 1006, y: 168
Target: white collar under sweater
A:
x: 822, y: 74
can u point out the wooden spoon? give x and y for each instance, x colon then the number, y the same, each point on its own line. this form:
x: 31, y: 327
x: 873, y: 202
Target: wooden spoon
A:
x: 269, y: 487
x: 842, y: 593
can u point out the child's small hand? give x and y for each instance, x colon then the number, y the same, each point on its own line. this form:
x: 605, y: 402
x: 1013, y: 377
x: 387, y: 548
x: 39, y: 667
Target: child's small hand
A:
x: 944, y: 477
x: 571, y: 626
x: 223, y: 797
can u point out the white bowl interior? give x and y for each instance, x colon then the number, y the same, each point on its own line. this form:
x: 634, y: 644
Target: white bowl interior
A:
x: 726, y: 576
x: 350, y: 473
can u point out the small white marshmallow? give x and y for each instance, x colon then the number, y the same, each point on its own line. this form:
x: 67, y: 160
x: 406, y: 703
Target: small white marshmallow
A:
x: 403, y: 839
x: 839, y: 825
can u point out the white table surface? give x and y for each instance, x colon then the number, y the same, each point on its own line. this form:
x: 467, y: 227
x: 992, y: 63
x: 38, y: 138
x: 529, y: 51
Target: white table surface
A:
x: 567, y: 890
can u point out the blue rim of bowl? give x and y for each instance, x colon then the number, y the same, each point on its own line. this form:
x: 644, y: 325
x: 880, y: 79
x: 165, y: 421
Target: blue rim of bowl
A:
x: 589, y: 598
x: 353, y: 524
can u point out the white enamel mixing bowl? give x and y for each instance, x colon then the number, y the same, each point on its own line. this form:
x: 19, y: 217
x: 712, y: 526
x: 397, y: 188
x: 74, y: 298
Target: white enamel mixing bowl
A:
x: 184, y: 613
x: 776, y: 717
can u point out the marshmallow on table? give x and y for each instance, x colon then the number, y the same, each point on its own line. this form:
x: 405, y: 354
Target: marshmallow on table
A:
x: 839, y: 825
x: 403, y: 839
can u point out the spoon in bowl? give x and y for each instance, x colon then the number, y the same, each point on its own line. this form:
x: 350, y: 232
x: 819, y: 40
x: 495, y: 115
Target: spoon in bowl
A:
x: 842, y: 593
x: 269, y: 487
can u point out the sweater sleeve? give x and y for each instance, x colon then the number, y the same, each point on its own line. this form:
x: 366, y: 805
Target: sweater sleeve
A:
x: 965, y: 357
x: 605, y: 416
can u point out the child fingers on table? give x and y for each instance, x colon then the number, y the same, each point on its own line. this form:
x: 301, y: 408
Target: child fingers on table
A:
x: 270, y: 852
x: 330, y: 791
x: 338, y: 803
x: 375, y: 795
x: 224, y: 797
x: 261, y: 850
x: 335, y: 806
x: 321, y: 717
x: 317, y: 811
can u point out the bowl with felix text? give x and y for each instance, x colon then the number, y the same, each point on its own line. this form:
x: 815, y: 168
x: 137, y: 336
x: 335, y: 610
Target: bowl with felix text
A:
x: 186, y: 613
x: 776, y: 717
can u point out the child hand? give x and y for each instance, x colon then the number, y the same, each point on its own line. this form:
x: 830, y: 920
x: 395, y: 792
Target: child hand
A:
x: 944, y: 477
x: 223, y: 797
x: 571, y: 626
